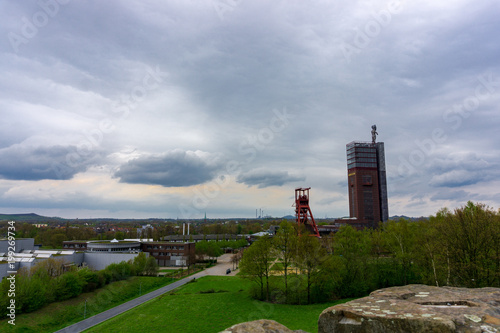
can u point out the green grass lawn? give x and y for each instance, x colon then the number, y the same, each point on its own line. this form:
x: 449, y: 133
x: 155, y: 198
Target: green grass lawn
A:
x: 210, y: 304
x: 61, y: 314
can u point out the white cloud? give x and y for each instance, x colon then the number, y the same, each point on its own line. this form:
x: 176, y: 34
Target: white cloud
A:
x: 226, y: 76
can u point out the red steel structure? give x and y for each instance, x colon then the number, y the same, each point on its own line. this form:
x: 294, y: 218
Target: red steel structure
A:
x: 303, y: 212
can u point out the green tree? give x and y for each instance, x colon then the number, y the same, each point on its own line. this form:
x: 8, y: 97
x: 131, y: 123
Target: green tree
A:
x: 119, y: 271
x: 139, y: 264
x: 401, y: 242
x: 382, y: 269
x: 256, y: 263
x: 31, y: 291
x: 353, y: 247
x: 26, y: 230
x: 151, y: 268
x: 208, y: 248
x: 285, y: 243
x: 201, y: 249
x: 214, y: 250
x: 310, y: 255
x: 4, y: 297
x: 430, y: 257
x: 90, y: 278
x: 68, y: 285
x: 496, y: 249
x: 470, y: 236
x: 49, y: 268
x: 56, y: 241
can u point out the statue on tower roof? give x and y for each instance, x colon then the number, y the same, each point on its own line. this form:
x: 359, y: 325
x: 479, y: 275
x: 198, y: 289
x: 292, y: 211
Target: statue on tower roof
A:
x: 374, y: 133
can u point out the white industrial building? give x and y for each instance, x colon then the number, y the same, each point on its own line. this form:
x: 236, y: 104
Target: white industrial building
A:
x: 27, y: 255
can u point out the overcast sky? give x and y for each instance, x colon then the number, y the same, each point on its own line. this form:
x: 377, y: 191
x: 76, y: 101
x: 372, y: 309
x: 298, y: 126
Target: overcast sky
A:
x: 176, y: 108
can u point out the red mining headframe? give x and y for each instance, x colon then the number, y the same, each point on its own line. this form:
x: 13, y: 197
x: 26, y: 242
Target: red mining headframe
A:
x: 303, y: 212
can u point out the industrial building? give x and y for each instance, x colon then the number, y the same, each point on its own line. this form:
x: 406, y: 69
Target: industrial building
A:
x: 166, y: 253
x: 26, y: 254
x: 367, y: 183
x: 94, y: 254
x: 200, y: 238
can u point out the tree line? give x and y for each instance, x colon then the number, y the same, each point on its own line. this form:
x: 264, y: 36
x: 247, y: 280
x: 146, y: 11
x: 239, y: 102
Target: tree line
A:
x: 54, y: 236
x: 214, y: 249
x: 453, y: 248
x: 51, y: 280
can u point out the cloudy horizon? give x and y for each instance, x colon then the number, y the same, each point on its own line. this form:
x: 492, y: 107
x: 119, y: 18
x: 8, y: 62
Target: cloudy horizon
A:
x: 172, y: 109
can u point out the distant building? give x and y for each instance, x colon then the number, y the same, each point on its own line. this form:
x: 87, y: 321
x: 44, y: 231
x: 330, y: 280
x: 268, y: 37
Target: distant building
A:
x: 143, y: 231
x: 166, y: 253
x: 25, y: 254
x: 112, y: 246
x: 199, y: 238
x: 94, y: 254
x: 75, y: 245
x: 367, y: 183
x: 273, y: 230
x: 171, y: 253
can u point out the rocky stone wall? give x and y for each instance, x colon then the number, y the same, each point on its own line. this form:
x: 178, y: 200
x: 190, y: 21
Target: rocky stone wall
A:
x: 260, y: 326
x: 412, y: 308
x: 416, y: 308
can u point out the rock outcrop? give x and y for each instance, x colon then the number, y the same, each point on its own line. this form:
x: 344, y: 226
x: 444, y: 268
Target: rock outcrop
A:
x: 260, y: 326
x: 417, y: 308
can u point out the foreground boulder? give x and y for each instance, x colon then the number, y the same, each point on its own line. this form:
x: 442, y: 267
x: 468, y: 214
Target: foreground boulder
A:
x: 417, y: 308
x: 260, y: 326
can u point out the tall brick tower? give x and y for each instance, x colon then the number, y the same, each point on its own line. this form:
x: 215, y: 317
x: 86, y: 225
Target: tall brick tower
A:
x: 367, y: 182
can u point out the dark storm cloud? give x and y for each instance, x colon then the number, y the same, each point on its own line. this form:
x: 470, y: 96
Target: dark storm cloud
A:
x: 173, y: 169
x: 454, y: 195
x: 20, y: 162
x: 458, y: 170
x: 457, y: 178
x: 82, y: 200
x: 265, y: 178
x: 226, y: 76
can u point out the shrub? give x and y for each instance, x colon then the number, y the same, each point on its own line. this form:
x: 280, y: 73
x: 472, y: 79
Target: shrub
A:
x: 68, y: 285
x: 119, y: 271
x: 90, y: 278
x: 151, y: 267
x: 104, y: 277
x: 139, y: 264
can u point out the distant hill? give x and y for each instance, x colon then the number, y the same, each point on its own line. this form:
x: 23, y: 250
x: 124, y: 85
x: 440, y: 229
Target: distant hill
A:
x: 397, y: 217
x: 35, y: 218
x: 393, y: 218
x: 31, y: 217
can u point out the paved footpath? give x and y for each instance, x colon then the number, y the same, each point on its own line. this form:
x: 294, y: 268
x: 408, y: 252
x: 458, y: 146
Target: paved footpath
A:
x: 223, y: 263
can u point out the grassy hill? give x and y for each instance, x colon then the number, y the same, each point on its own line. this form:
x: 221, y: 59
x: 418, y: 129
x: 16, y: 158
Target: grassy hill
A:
x: 58, y: 315
x: 210, y: 304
